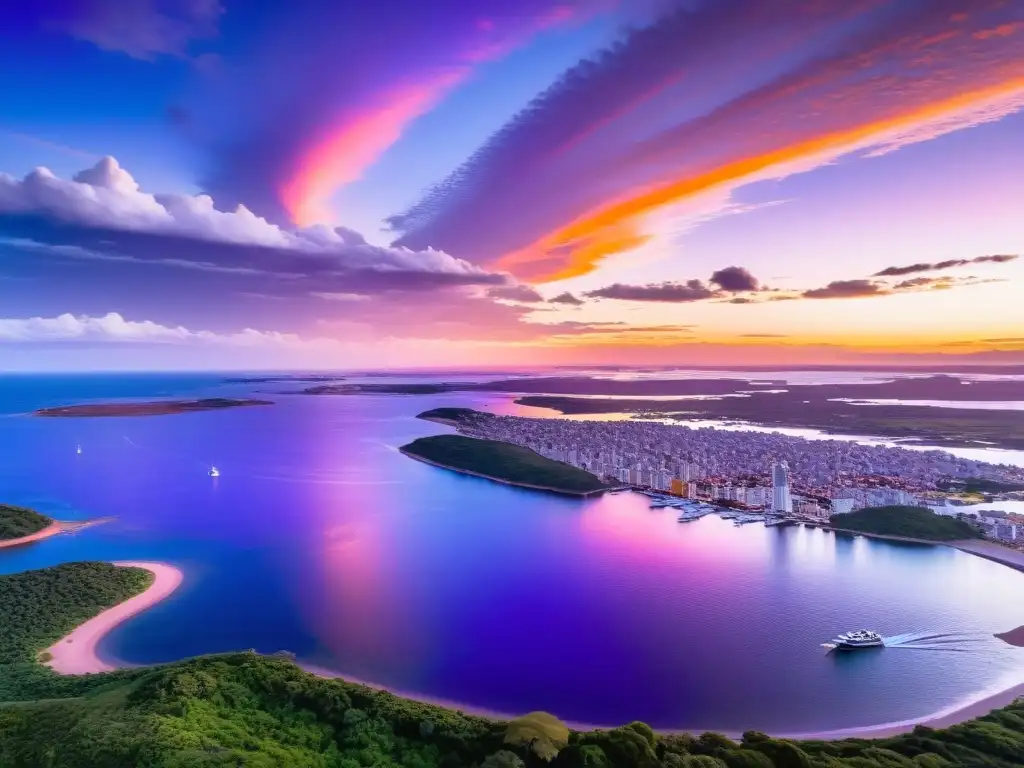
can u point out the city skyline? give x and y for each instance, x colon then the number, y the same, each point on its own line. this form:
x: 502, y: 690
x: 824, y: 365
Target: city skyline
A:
x: 201, y: 185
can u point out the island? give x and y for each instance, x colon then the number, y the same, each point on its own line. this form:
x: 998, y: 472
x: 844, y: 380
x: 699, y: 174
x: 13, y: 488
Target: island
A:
x: 242, y: 708
x: 453, y: 417
x: 279, y: 379
x: 152, y: 408
x: 899, y: 522
x: 382, y: 389
x: 503, y: 463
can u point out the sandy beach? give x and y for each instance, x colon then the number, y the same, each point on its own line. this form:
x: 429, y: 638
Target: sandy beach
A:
x: 75, y: 654
x: 953, y: 715
x: 51, y: 530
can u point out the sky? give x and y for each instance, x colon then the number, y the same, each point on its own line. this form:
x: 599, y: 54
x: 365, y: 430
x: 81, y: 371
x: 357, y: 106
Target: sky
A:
x: 209, y: 184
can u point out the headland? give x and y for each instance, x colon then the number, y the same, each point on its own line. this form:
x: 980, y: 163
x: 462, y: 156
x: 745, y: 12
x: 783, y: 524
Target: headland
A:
x: 153, y: 408
x: 503, y: 463
x: 19, y: 525
x: 76, y: 654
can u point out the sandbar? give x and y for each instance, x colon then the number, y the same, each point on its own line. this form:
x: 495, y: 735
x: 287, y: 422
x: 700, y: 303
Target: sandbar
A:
x: 51, y: 530
x: 75, y: 654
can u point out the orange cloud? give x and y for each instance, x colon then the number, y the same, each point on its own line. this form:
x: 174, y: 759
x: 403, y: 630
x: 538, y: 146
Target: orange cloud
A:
x: 616, y: 226
x: 347, y: 150
x: 353, y: 144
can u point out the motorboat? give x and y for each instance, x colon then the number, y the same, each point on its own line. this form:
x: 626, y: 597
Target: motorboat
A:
x: 214, y: 472
x: 861, y: 638
x: 78, y: 449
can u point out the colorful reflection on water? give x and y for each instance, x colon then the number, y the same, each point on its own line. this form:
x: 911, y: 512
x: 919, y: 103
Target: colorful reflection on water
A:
x: 320, y: 538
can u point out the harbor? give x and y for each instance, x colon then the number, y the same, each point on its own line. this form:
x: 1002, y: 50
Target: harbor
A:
x: 693, y: 509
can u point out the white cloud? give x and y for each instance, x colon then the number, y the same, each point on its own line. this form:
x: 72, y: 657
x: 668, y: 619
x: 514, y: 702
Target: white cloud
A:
x: 114, y: 328
x: 107, y: 197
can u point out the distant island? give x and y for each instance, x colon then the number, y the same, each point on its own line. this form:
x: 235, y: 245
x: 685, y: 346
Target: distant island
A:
x: 279, y: 378
x: 917, y: 523
x: 245, y: 709
x: 504, y: 463
x: 382, y: 389
x: 153, y: 408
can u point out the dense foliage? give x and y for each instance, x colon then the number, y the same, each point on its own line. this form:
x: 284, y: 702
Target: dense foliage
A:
x: 503, y: 461
x: 247, y: 710
x: 16, y: 522
x: 451, y: 414
x: 37, y: 608
x: 911, y: 522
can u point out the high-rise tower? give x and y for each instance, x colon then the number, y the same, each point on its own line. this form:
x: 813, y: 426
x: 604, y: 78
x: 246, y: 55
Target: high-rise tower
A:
x: 782, y: 501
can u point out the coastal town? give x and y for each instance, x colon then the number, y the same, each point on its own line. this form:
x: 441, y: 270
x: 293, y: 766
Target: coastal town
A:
x: 766, y: 472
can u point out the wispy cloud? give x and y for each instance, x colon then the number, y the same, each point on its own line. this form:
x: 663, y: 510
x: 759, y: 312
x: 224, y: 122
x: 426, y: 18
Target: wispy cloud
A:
x: 940, y: 265
x: 577, y: 176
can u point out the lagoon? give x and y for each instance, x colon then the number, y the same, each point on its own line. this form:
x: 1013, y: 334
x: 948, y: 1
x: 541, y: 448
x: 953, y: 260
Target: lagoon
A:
x: 320, y: 538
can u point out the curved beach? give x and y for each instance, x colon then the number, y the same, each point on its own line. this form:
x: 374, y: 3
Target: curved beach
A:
x: 75, y: 654
x: 51, y: 530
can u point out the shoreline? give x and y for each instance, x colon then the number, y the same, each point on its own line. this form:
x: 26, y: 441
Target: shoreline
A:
x: 51, y: 530
x: 531, y: 486
x: 75, y: 653
x: 954, y: 714
x: 983, y: 548
x: 57, y: 526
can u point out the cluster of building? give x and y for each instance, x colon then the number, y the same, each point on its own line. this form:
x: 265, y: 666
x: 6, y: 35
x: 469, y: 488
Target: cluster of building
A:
x: 1004, y: 526
x: 757, y: 470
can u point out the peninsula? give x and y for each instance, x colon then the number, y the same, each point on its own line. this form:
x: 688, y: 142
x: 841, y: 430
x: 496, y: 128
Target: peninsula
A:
x: 19, y: 525
x: 152, y: 408
x: 242, y: 708
x: 503, y: 463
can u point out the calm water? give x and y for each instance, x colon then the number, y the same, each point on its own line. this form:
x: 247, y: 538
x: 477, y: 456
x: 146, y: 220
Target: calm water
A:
x: 320, y: 538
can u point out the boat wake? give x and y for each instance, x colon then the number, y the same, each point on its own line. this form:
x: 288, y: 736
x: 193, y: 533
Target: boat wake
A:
x: 962, y: 642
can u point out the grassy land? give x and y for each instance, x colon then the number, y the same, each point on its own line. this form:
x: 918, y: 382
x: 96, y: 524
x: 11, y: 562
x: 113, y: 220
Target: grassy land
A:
x: 911, y: 522
x: 451, y: 414
x: 246, y: 710
x: 16, y: 522
x: 503, y: 461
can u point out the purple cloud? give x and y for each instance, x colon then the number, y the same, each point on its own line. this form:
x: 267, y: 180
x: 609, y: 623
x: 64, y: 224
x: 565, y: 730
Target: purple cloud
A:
x: 143, y: 29
x: 846, y: 289
x: 283, y: 130
x: 520, y: 293
x: 691, y: 290
x: 735, y: 280
x: 949, y: 264
x: 566, y: 298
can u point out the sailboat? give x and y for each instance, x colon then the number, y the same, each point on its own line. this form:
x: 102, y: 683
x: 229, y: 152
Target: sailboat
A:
x: 214, y: 472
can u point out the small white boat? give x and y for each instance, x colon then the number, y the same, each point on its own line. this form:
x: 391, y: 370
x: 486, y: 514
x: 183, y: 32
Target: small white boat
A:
x: 78, y: 450
x: 214, y: 472
x: 862, y: 638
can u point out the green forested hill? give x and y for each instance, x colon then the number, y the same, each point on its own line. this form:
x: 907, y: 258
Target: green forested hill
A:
x: 910, y: 522
x: 16, y: 522
x: 247, y: 710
